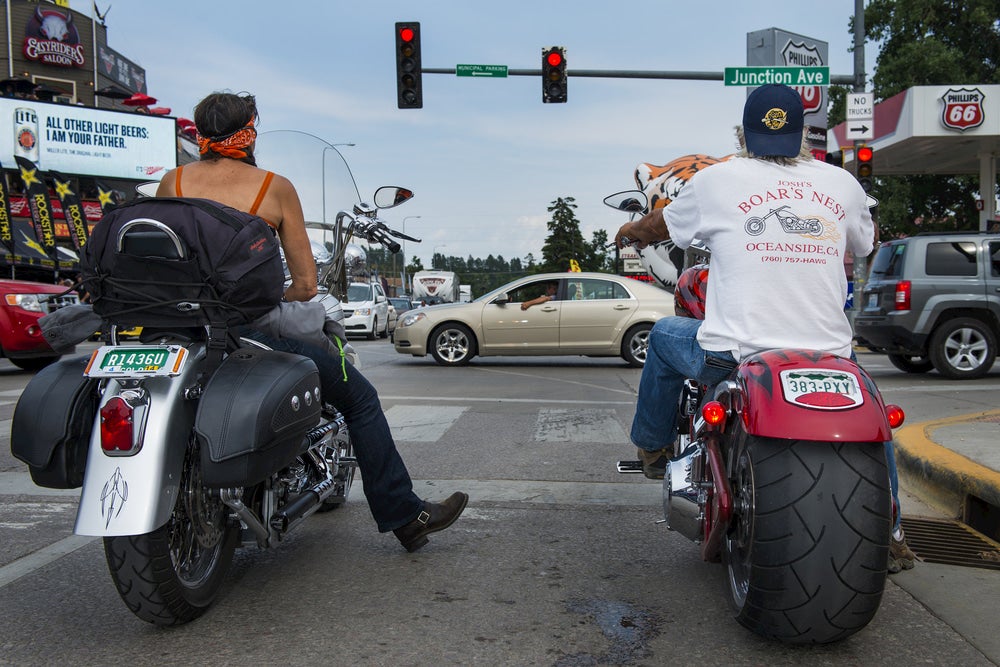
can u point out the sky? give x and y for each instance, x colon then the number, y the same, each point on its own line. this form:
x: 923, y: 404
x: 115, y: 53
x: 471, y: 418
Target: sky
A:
x: 484, y: 156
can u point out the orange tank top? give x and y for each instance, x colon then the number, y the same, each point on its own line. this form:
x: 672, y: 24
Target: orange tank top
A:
x: 268, y: 176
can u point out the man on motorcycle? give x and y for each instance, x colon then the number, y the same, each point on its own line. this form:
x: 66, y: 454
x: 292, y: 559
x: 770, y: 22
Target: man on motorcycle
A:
x: 775, y: 288
x: 227, y: 173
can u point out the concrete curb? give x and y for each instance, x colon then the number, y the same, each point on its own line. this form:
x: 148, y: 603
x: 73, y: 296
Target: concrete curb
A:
x: 944, y: 476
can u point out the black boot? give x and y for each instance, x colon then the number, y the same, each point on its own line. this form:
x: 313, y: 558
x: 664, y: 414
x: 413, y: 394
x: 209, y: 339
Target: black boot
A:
x: 434, y: 517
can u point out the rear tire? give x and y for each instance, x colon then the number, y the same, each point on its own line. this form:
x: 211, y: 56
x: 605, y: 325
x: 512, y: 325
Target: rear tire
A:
x: 963, y: 349
x: 911, y: 363
x: 807, y: 548
x: 452, y: 345
x: 635, y: 344
x: 173, y: 574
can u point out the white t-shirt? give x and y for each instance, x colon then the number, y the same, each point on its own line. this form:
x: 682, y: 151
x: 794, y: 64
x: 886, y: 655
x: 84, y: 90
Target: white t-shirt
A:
x: 778, y: 236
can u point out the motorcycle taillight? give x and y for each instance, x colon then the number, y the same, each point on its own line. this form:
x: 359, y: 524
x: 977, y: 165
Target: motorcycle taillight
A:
x: 903, y: 295
x: 117, y: 433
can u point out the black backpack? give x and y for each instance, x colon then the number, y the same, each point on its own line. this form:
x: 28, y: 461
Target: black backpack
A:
x: 167, y: 262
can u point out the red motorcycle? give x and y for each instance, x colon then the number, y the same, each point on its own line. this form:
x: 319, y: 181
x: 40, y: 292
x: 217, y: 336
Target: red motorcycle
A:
x: 780, y: 473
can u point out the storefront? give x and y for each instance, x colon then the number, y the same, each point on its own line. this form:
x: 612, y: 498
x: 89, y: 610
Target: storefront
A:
x: 77, y: 133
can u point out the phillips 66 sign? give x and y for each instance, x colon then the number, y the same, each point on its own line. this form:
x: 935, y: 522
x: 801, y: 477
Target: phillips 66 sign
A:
x: 962, y: 108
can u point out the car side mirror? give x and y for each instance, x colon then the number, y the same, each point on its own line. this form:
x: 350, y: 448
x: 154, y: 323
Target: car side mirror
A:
x: 501, y: 300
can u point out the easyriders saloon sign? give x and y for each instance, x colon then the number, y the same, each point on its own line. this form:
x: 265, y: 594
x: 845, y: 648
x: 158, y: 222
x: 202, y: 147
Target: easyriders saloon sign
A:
x: 51, y: 37
x: 962, y: 108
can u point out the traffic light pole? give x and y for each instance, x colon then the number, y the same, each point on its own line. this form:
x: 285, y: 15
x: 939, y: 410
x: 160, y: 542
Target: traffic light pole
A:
x: 860, y: 273
x: 840, y: 79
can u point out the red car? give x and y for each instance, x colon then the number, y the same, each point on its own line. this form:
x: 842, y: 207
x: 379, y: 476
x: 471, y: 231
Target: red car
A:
x: 22, y: 304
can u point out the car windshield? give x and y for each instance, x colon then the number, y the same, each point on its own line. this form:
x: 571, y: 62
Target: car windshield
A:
x: 357, y: 293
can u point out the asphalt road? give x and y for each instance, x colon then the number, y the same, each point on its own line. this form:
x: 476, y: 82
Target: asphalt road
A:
x: 558, y: 560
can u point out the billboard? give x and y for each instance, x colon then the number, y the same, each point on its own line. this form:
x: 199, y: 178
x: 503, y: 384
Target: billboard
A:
x: 82, y: 140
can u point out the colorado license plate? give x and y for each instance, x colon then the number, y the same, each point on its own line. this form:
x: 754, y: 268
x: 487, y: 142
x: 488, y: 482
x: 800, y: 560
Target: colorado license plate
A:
x: 136, y: 361
x: 821, y: 388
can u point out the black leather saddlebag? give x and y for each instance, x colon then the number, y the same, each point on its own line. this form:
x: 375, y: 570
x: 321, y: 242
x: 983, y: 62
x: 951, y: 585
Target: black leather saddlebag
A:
x: 52, y: 424
x: 254, y: 414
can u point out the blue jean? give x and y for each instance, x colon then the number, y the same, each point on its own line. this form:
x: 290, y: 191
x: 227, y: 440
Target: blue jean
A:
x: 673, y: 356
x: 387, y: 483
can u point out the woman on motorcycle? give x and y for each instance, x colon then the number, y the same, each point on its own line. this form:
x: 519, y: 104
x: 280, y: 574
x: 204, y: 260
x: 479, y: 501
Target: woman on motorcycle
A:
x: 771, y: 287
x: 227, y: 173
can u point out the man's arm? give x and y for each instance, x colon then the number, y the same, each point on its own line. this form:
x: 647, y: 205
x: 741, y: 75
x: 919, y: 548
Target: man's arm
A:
x: 536, y: 301
x: 650, y: 228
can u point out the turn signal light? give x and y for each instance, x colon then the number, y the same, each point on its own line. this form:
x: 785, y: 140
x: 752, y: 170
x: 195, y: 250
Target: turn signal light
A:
x: 714, y: 413
x: 116, y: 426
x: 895, y: 415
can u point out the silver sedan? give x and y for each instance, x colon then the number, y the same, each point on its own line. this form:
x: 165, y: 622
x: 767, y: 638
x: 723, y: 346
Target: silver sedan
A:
x: 592, y: 314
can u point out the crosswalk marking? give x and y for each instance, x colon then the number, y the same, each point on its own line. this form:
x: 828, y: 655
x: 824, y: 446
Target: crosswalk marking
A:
x: 422, y: 423
x: 591, y: 425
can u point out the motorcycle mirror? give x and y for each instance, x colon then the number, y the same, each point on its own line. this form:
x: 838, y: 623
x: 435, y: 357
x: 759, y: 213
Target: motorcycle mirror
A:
x: 629, y: 201
x: 388, y: 196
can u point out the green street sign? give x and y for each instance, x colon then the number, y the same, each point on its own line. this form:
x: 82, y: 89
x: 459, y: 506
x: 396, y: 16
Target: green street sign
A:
x: 790, y: 76
x: 481, y: 70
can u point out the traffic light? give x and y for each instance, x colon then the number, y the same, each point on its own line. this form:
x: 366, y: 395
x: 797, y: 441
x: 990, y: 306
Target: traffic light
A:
x: 863, y: 166
x: 554, y: 74
x: 409, y: 94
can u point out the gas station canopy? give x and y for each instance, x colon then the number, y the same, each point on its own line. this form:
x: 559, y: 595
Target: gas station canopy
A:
x: 946, y: 130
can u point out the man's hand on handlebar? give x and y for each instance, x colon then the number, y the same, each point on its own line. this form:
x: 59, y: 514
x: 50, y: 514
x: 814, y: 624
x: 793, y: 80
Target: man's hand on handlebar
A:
x: 648, y: 229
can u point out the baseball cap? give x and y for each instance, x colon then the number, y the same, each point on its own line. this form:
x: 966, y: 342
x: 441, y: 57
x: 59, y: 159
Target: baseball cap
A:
x: 772, y: 121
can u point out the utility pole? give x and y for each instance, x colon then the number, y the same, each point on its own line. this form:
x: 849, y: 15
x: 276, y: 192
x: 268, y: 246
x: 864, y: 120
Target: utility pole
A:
x: 860, y: 274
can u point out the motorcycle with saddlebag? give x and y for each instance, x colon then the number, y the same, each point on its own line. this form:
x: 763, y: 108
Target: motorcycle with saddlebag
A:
x: 780, y: 472
x: 191, y: 440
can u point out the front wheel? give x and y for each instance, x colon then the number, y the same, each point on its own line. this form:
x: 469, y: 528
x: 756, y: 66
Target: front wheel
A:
x: 173, y: 574
x: 911, y: 364
x: 452, y: 345
x: 963, y: 348
x: 807, y: 548
x: 373, y: 334
x: 635, y: 345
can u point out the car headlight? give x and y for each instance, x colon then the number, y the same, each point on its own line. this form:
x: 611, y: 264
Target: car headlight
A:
x: 410, y: 319
x: 365, y: 312
x: 32, y: 302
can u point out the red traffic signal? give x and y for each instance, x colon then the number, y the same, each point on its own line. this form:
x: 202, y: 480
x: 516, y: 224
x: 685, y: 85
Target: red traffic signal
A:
x: 554, y: 74
x: 863, y: 156
x: 409, y: 88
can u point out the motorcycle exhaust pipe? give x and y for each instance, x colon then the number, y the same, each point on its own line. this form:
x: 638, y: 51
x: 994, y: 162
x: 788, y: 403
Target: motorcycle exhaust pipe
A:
x: 297, y: 510
x: 683, y: 495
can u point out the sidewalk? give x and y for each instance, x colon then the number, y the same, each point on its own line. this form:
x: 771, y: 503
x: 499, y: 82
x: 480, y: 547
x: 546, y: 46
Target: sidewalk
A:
x: 947, y: 460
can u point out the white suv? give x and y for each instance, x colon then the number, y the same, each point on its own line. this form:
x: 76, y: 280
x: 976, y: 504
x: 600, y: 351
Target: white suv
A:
x: 366, y: 310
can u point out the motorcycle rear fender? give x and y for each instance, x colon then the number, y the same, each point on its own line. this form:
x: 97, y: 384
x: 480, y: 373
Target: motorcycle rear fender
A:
x: 134, y: 495
x: 764, y: 411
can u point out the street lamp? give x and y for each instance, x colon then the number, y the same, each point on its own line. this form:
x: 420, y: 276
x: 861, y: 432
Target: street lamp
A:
x: 404, y: 247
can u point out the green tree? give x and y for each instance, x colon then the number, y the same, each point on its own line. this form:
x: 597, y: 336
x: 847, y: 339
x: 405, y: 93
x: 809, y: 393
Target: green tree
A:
x: 930, y: 42
x: 565, y: 241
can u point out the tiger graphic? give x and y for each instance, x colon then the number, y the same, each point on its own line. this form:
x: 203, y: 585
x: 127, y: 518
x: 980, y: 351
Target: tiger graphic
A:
x: 664, y: 261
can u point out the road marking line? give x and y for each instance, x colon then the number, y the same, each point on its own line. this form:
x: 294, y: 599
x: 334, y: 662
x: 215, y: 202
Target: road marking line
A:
x: 39, y: 559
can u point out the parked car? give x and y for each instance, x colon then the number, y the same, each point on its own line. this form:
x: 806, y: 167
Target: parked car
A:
x: 933, y: 301
x: 593, y: 314
x: 24, y: 303
x: 366, y: 310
